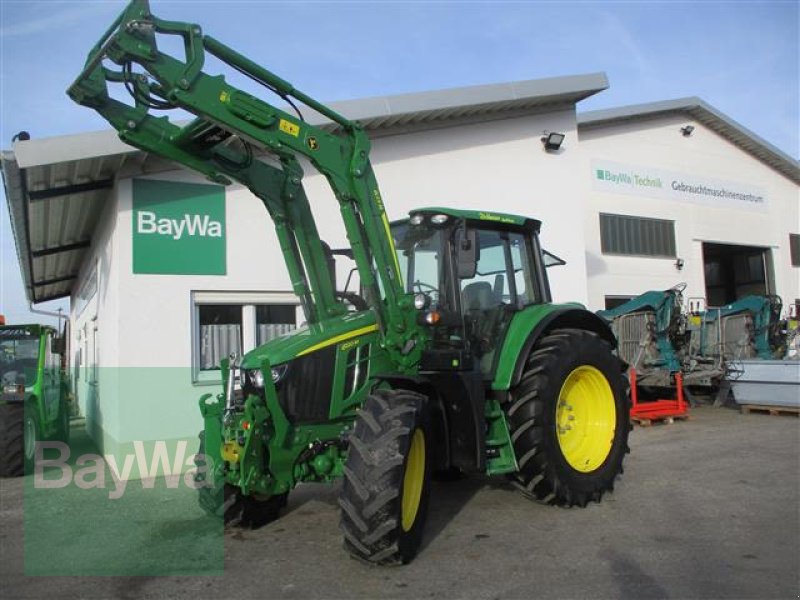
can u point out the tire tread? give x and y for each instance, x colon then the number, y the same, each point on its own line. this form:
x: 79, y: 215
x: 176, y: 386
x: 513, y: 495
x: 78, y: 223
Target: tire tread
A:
x: 537, y: 477
x: 374, y: 474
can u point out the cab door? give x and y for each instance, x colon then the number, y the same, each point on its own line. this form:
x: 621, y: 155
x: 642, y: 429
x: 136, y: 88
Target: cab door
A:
x: 503, y: 282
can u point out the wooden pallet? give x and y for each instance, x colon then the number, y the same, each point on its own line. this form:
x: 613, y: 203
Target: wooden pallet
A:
x: 770, y: 410
x: 648, y: 421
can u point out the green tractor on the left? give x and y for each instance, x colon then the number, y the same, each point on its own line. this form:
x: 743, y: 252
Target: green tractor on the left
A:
x: 36, y: 397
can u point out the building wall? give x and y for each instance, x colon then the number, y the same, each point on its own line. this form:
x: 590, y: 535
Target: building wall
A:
x: 500, y: 166
x: 659, y: 144
x: 95, y: 340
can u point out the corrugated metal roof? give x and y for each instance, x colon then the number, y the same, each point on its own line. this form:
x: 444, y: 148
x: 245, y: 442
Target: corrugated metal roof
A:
x: 56, y: 187
x: 54, y: 209
x: 704, y: 113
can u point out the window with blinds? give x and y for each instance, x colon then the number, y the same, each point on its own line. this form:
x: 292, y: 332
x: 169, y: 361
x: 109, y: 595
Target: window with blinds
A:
x: 637, y: 236
x: 225, y: 323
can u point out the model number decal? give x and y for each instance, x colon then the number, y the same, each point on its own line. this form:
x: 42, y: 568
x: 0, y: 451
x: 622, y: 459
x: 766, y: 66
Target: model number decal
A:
x: 349, y: 344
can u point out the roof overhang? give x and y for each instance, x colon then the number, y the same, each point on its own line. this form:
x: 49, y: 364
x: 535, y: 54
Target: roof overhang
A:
x: 54, y: 208
x: 56, y: 188
x: 702, y: 112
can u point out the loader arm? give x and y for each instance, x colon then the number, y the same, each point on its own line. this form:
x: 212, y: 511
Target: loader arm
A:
x: 231, y: 132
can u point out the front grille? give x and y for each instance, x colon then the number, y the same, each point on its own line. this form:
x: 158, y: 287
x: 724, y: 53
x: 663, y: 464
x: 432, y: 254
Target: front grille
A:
x: 305, y: 391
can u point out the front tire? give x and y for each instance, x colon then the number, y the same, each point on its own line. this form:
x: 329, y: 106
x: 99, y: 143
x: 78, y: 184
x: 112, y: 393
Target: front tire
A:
x: 227, y: 502
x: 569, y: 419
x: 31, y: 436
x: 384, y: 498
x: 12, y: 463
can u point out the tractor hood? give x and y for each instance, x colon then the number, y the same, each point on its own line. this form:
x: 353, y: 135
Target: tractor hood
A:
x: 311, y: 338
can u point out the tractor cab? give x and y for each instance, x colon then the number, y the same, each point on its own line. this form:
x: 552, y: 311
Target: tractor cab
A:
x: 470, y: 272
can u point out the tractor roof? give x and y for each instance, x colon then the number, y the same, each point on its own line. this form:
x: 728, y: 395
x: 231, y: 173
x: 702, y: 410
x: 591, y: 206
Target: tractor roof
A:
x: 482, y: 215
x: 29, y: 329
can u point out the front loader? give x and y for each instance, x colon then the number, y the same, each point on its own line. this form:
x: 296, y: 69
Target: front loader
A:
x: 451, y: 355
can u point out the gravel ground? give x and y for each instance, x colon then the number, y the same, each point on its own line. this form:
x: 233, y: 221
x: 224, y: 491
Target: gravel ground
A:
x: 707, y: 508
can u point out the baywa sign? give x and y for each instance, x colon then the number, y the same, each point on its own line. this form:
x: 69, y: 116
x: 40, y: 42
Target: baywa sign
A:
x: 201, y: 225
x: 178, y: 228
x: 657, y: 183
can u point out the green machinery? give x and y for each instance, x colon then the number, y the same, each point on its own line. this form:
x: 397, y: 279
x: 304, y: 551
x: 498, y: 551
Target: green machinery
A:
x: 35, y: 401
x: 450, y: 355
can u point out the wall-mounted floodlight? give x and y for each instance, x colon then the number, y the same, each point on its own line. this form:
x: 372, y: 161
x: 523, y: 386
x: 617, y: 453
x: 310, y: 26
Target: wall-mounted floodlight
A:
x: 687, y: 130
x: 679, y: 264
x: 552, y: 141
x: 22, y: 136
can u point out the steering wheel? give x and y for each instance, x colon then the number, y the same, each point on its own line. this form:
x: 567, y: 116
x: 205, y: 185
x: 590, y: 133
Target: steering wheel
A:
x: 421, y: 284
x: 353, y: 299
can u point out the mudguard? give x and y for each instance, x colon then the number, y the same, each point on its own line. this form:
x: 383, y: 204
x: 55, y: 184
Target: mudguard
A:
x: 532, y: 323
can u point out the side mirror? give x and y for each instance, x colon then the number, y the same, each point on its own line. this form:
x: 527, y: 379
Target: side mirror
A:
x: 467, y: 253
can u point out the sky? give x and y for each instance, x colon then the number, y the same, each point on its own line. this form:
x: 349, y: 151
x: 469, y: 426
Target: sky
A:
x: 741, y: 57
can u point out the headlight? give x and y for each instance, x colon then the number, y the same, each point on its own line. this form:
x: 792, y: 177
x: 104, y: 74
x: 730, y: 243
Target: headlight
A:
x: 433, y: 317
x: 439, y: 219
x: 416, y: 219
x: 278, y: 373
x: 421, y: 301
x: 256, y: 378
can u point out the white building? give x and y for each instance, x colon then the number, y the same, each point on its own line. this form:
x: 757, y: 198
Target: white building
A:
x: 711, y: 204
x: 632, y: 201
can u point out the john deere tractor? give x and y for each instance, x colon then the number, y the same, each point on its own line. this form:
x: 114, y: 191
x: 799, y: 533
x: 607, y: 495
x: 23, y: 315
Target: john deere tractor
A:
x: 35, y: 402
x: 450, y: 356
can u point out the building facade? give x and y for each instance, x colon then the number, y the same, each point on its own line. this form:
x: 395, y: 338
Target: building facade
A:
x: 680, y: 195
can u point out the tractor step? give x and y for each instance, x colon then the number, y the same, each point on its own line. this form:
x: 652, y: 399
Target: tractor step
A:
x: 500, y: 457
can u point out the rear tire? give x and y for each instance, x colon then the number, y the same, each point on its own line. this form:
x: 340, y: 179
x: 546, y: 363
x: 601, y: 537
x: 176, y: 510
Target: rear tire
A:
x: 12, y: 463
x: 384, y: 498
x: 569, y: 418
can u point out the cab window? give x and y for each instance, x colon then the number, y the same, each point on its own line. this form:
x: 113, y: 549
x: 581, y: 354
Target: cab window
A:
x: 503, y: 274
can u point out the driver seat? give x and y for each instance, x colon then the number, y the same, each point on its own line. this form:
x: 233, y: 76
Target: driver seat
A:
x: 478, y: 296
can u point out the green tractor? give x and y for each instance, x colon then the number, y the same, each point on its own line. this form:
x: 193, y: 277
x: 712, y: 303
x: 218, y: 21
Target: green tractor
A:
x: 449, y: 357
x: 35, y: 403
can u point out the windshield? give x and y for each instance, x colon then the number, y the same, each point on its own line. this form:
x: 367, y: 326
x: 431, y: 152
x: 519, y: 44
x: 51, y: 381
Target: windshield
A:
x: 19, y: 359
x: 420, y: 252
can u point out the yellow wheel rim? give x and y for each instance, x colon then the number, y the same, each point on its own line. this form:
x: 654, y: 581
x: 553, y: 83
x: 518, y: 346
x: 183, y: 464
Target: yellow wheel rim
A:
x: 586, y: 419
x: 413, y: 479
